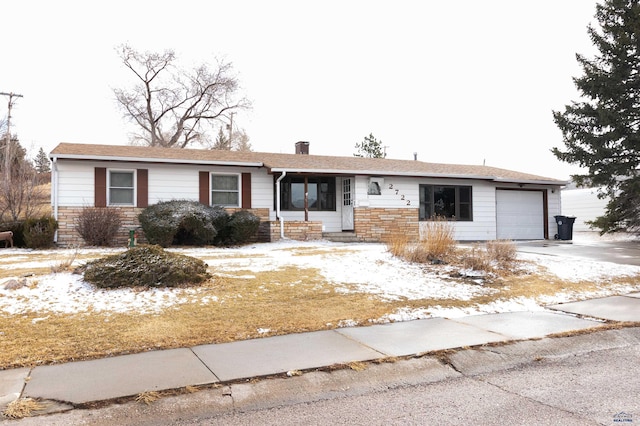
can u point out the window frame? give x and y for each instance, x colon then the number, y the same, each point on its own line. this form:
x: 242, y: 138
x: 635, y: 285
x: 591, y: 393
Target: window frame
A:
x: 238, y: 191
x: 133, y: 189
x: 286, y: 204
x: 429, y: 216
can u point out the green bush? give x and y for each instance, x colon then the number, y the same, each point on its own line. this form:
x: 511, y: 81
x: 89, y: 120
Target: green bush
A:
x: 243, y: 225
x: 159, y: 223
x: 220, y: 220
x: 98, y: 226
x: 195, y: 228
x: 145, y: 266
x: 186, y: 222
x: 39, y: 233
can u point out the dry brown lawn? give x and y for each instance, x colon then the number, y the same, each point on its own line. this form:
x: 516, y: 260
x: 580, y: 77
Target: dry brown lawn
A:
x: 248, y: 305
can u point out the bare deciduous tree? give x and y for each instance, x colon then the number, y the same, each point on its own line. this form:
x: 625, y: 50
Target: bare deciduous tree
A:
x: 241, y: 141
x: 24, y: 197
x: 174, y: 107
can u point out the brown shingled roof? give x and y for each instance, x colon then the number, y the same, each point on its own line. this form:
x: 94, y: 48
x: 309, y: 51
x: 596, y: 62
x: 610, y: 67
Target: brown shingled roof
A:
x: 294, y: 162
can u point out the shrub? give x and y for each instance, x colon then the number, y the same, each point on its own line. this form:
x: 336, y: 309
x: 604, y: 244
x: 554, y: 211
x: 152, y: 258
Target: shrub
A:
x: 437, y: 243
x: 65, y: 264
x: 159, y: 223
x: 195, y: 228
x: 493, y: 256
x: 398, y: 244
x: 39, y: 233
x: 220, y: 220
x: 189, y: 222
x: 243, y: 225
x: 146, y: 266
x: 503, y: 252
x: 98, y: 226
x: 477, y: 259
x: 179, y: 222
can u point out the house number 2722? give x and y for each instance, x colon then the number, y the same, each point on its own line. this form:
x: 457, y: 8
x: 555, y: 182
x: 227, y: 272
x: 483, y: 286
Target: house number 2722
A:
x: 402, y: 197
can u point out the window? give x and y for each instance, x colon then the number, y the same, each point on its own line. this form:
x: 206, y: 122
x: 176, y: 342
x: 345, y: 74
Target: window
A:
x: 225, y: 190
x: 321, y: 193
x: 121, y: 188
x: 375, y: 186
x: 451, y: 202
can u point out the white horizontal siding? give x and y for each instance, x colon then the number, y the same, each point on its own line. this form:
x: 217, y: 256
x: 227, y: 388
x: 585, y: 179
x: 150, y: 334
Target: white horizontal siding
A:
x: 483, y: 225
x: 585, y: 205
x: 75, y: 184
x: 172, y: 182
x: 166, y: 182
x: 396, y: 192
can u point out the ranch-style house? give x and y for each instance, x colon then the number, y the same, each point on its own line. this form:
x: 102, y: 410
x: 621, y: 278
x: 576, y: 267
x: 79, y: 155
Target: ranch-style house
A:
x: 302, y: 196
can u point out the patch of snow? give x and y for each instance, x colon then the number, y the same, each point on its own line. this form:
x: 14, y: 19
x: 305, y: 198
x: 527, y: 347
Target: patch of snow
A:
x: 358, y: 267
x: 571, y: 269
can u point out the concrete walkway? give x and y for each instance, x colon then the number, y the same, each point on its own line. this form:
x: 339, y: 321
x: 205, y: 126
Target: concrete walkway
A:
x: 66, y: 386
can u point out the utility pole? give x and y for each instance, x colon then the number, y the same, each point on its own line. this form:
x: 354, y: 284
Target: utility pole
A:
x: 8, y: 147
x: 231, y: 129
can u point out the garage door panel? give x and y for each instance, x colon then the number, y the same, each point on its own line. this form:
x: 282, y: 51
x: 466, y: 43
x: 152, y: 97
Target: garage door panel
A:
x: 519, y: 215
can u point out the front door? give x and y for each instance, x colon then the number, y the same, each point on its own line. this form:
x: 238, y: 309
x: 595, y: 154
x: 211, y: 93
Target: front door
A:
x: 347, y: 205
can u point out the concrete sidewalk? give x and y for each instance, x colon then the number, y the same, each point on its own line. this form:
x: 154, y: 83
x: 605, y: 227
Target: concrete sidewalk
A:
x: 66, y: 386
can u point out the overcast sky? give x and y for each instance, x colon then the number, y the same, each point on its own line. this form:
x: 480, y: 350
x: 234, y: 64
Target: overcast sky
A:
x: 461, y: 82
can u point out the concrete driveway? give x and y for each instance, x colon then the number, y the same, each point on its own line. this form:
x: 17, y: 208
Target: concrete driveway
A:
x: 587, y: 245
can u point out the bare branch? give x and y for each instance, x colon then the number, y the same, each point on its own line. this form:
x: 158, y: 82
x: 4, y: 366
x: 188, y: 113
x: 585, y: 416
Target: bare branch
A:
x: 172, y: 107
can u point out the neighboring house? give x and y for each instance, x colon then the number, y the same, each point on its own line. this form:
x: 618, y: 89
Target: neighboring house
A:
x: 584, y: 204
x: 369, y: 199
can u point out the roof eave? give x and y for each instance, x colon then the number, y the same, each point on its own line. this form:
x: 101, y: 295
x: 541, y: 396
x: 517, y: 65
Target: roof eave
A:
x: 532, y: 181
x: 376, y: 173
x: 418, y: 174
x: 154, y: 160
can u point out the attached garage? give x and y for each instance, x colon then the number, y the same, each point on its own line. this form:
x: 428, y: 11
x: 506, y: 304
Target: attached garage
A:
x: 520, y: 215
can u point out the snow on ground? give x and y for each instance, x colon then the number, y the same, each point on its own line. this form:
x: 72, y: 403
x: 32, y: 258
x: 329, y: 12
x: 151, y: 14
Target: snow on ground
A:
x: 349, y: 267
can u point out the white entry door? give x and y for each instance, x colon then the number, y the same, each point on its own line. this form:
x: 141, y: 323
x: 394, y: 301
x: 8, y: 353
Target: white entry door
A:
x: 347, y: 205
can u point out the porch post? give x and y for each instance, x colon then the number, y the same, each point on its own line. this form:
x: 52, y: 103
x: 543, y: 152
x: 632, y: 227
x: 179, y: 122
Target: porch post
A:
x: 306, y: 199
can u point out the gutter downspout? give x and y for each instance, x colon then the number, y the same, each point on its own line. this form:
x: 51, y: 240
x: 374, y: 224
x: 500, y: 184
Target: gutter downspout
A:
x: 54, y: 195
x: 278, y: 215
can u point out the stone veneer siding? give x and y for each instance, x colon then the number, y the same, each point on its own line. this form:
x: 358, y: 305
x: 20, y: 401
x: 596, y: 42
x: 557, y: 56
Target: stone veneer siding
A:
x: 297, y: 230
x: 68, y: 236
x: 378, y: 224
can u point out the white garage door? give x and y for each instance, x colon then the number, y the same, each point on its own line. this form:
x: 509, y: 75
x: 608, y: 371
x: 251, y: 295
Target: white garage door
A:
x: 519, y: 215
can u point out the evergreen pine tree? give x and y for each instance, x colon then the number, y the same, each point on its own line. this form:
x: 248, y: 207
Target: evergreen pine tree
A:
x: 42, y: 162
x: 222, y: 141
x: 370, y: 148
x: 601, y: 132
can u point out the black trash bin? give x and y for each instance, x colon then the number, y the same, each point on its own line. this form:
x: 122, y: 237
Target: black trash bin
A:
x: 565, y: 227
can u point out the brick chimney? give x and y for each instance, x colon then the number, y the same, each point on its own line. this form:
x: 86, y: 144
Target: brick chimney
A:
x: 302, y: 148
